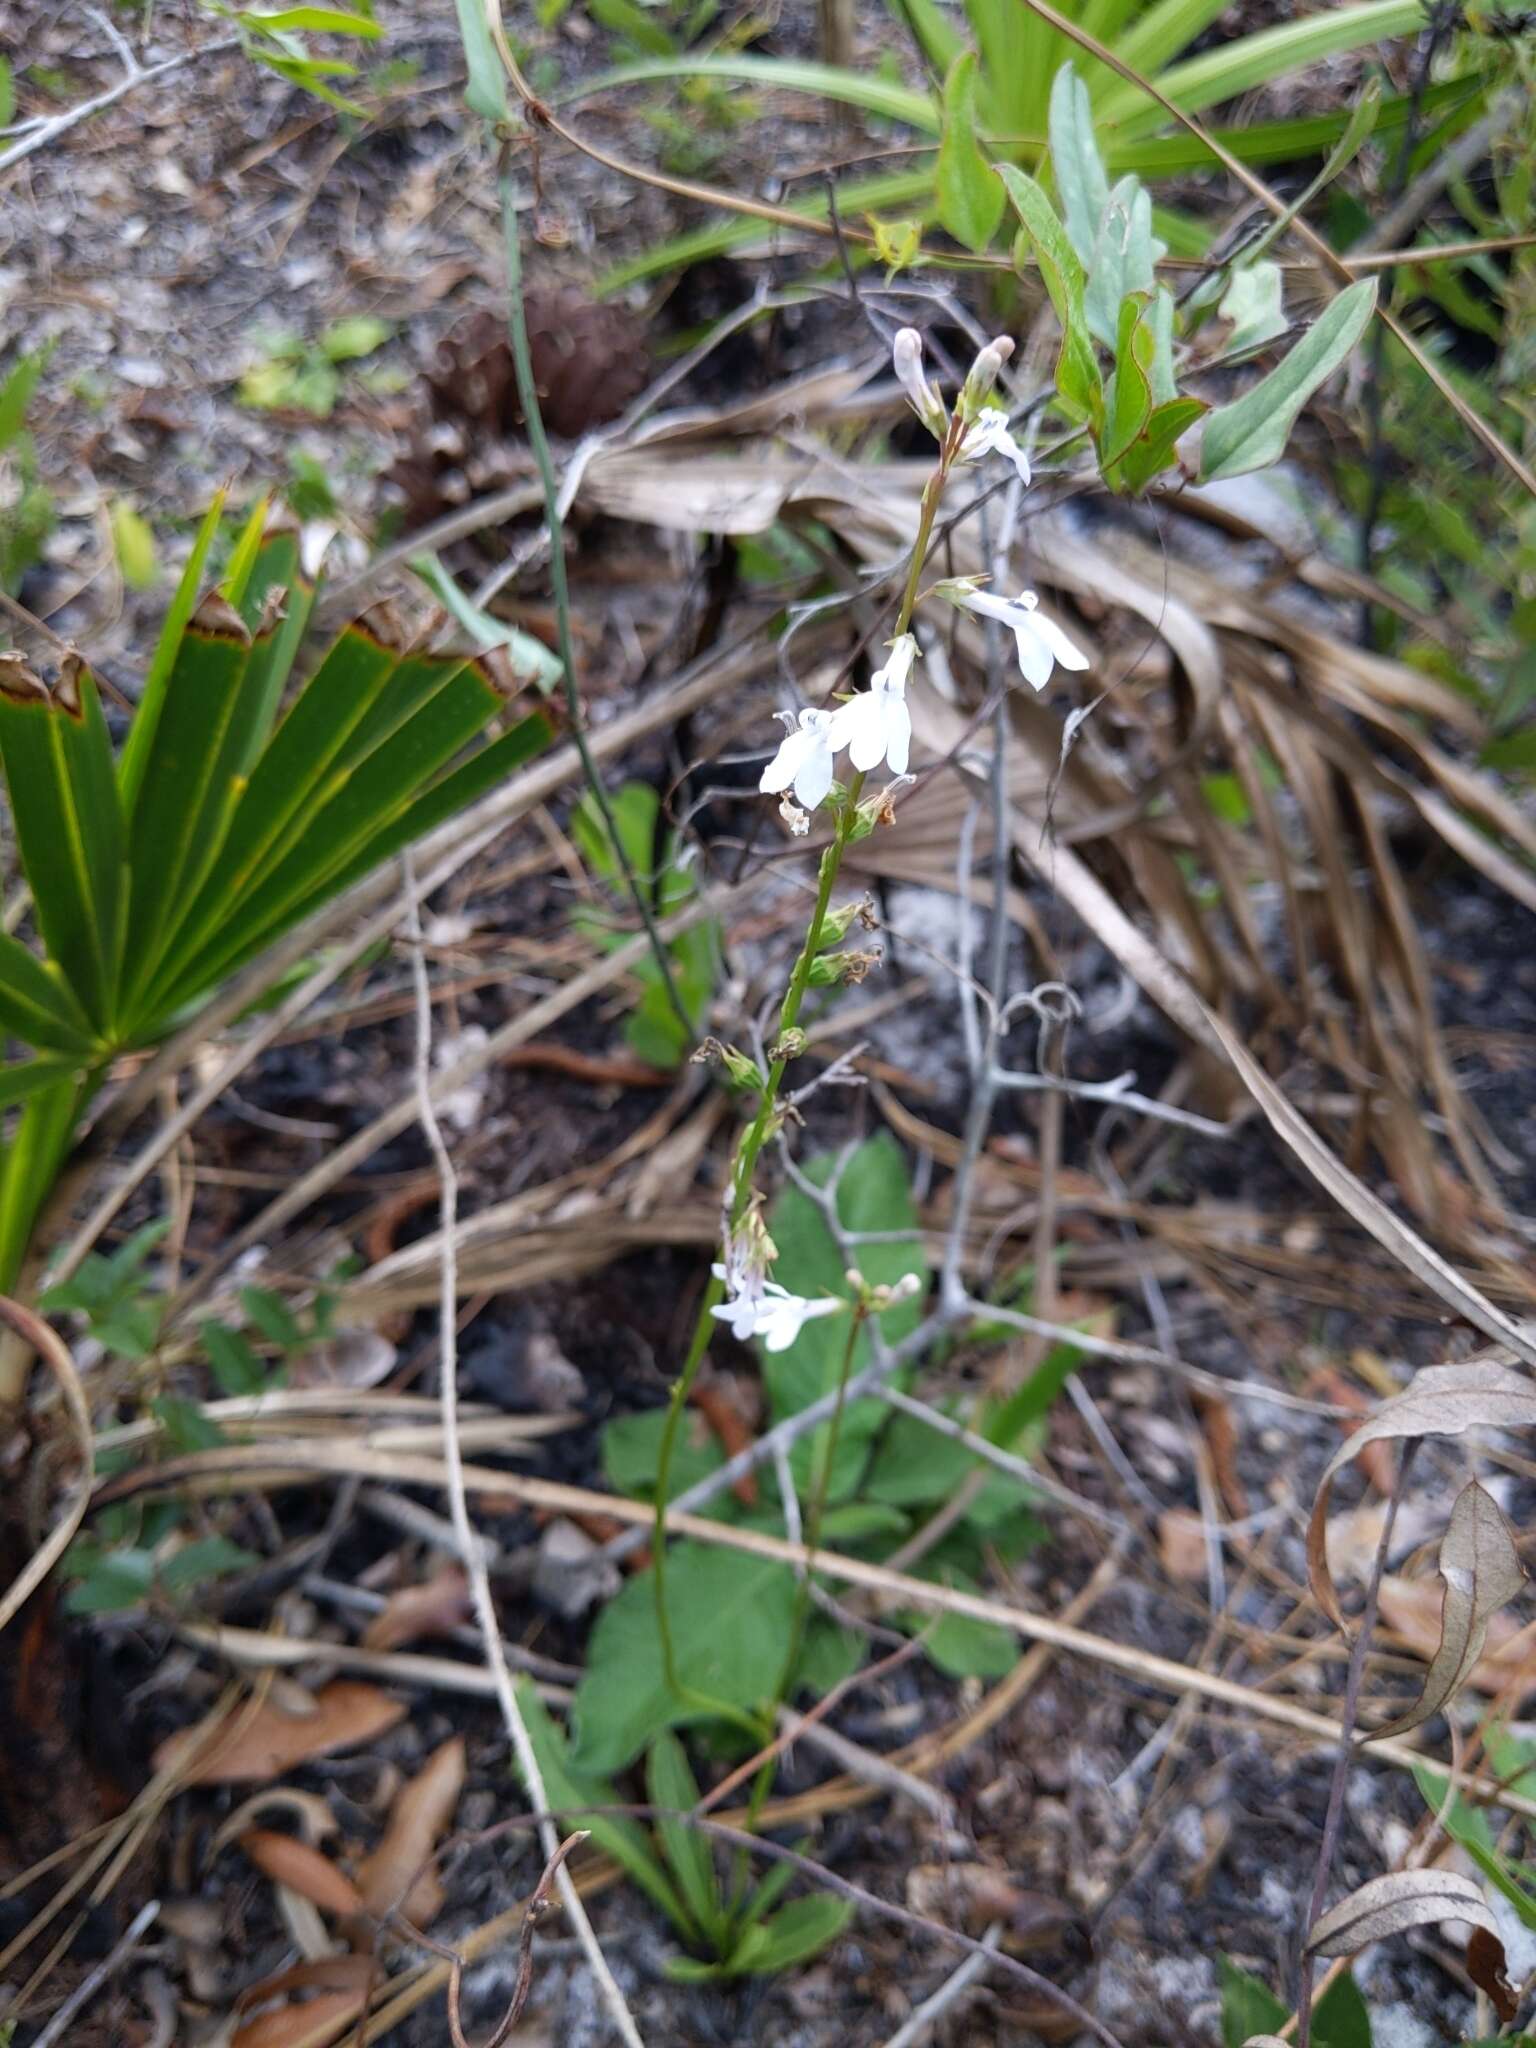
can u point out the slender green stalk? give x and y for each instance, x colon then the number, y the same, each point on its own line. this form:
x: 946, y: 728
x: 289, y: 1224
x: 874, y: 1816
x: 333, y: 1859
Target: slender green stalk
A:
x: 758, y: 1131
x: 538, y: 442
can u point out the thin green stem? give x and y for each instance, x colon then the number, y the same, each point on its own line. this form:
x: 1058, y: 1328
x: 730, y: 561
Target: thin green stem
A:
x: 762, y: 1124
x: 538, y: 442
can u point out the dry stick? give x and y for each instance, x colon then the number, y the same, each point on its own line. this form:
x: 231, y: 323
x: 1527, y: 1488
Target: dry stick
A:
x: 1347, y: 1714
x: 927, y: 2016
x: 1142, y: 1666
x: 1469, y: 416
x: 89, y: 1985
x: 50, y: 130
x: 36, y: 1335
x: 458, y: 1501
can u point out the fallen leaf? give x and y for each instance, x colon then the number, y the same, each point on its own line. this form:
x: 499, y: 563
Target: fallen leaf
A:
x: 263, y: 1744
x: 1412, y: 1608
x: 1376, y: 1460
x: 399, y: 1873
x: 1391, y: 1904
x: 434, y: 1608
x: 1486, y: 1966
x: 316, y: 1820
x: 341, y: 1984
x: 1216, y: 1420
x: 1481, y: 1571
x: 304, y: 1870
x: 1442, y: 1400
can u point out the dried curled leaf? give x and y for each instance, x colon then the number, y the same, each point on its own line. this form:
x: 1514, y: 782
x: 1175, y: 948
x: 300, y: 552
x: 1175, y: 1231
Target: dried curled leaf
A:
x: 1486, y: 1967
x: 1482, y: 1570
x: 263, y: 1745
x: 1442, y: 1400
x: 1400, y: 1900
x: 399, y: 1873
x: 287, y: 1860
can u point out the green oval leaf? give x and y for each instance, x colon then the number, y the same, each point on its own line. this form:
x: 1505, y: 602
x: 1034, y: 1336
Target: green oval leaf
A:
x: 1252, y: 432
x: 970, y: 193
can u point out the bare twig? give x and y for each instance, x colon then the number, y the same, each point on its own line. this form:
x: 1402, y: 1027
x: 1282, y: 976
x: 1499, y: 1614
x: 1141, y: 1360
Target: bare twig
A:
x: 925, y: 2017
x: 49, y: 131
x: 58, y: 2027
x: 453, y: 1457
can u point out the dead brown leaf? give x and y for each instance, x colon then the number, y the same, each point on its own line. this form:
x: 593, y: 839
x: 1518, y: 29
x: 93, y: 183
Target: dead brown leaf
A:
x: 271, y: 1740
x: 399, y: 1873
x: 1486, y: 1963
x: 1481, y: 1571
x: 434, y: 1608
x: 1411, y: 1608
x: 340, y: 1984
x: 1442, y: 1400
x: 1400, y: 1900
x: 304, y: 1870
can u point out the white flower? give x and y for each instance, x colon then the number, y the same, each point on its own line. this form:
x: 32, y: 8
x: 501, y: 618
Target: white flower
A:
x: 877, y: 725
x: 804, y: 760
x: 923, y: 397
x: 1040, y: 641
x: 988, y: 435
x: 775, y: 1315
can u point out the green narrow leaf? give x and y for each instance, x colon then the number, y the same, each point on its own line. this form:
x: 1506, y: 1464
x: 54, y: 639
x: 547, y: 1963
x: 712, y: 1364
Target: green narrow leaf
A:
x: 485, y: 92
x: 58, y: 770
x: 7, y: 94
x: 670, y: 1783
x: 866, y: 90
x: 286, y: 786
x: 334, y: 21
x: 571, y: 1792
x: 1080, y: 178
x: 276, y: 579
x: 30, y: 1164
x: 26, y: 1077
x: 1130, y: 394
x: 970, y: 194
x: 146, y: 718
x: 1124, y: 259
x: 532, y: 662
x: 797, y: 1932
x: 1078, y: 382
x: 1154, y: 450
x: 188, y: 784
x: 36, y: 1005
x: 242, y: 560
x: 1252, y: 431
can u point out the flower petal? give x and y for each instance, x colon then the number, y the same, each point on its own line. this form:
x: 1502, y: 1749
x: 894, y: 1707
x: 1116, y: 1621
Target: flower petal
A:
x: 1035, y: 659
x: 898, y: 734
x: 1065, y: 651
x: 866, y: 729
x: 785, y: 765
x: 813, y: 777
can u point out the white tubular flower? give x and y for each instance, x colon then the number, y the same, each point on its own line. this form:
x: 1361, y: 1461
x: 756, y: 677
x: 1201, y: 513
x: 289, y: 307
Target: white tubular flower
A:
x: 984, y: 373
x: 1040, y: 641
x: 877, y: 725
x: 988, y: 435
x: 922, y: 396
x: 804, y: 760
x: 775, y: 1315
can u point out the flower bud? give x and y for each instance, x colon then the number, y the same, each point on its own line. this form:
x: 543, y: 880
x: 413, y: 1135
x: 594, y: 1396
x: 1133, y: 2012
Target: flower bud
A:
x: 922, y: 396
x: 984, y: 374
x: 788, y: 1045
x: 836, y: 924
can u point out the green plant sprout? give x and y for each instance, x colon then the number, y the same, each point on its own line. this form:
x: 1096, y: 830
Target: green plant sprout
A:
x: 294, y: 375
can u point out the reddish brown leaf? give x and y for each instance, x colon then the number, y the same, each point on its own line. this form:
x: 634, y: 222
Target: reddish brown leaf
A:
x: 262, y: 1745
x: 434, y: 1608
x: 1486, y: 1967
x: 304, y: 1870
x: 399, y: 1873
x: 314, y: 2024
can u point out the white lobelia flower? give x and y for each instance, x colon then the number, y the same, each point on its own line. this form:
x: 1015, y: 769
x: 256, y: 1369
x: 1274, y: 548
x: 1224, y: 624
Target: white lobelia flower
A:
x: 876, y: 726
x: 775, y: 1315
x: 804, y: 760
x: 923, y: 397
x: 988, y: 435
x: 1040, y: 641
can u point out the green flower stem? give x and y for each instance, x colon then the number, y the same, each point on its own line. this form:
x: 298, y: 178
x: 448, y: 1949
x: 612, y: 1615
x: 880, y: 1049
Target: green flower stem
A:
x: 757, y: 1132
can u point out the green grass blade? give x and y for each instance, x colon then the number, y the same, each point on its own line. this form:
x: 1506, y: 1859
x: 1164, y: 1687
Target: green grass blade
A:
x: 860, y: 89
x: 1237, y: 67
x: 58, y: 770
x: 189, y: 781
x: 1159, y: 156
x: 23, y: 1078
x: 36, y: 1005
x: 1160, y: 32
x: 670, y: 1784
x: 146, y: 719
x: 1019, y: 56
